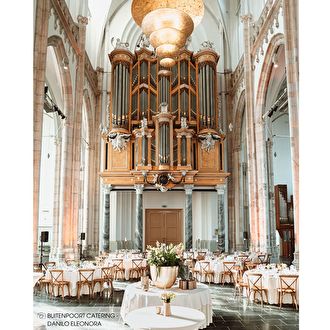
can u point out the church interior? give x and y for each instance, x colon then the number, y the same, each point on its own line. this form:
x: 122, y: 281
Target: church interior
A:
x: 167, y: 123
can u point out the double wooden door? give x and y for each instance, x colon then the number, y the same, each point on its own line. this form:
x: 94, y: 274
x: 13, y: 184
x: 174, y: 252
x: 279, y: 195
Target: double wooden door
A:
x: 163, y: 225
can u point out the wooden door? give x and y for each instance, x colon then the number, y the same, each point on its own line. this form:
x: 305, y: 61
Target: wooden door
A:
x: 164, y: 226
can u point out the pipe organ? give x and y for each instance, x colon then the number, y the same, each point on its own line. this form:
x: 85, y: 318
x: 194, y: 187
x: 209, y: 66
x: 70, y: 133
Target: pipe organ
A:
x: 163, y: 124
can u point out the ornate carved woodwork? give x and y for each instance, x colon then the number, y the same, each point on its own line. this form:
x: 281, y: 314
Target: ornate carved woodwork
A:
x: 163, y: 124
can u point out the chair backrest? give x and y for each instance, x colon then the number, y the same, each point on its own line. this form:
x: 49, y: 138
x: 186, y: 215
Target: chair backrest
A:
x: 137, y: 263
x: 118, y: 263
x: 86, y: 275
x: 56, y: 275
x: 190, y: 255
x: 201, y: 255
x: 288, y: 282
x: 69, y: 262
x: 50, y: 264
x: 262, y: 258
x: 228, y: 266
x: 243, y: 257
x: 250, y: 265
x: 254, y: 281
x: 205, y: 266
x: 107, y: 272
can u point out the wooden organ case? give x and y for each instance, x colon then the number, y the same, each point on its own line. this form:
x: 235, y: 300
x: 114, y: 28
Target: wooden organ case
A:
x: 163, y: 125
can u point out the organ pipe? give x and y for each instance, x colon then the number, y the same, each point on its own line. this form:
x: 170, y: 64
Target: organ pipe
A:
x: 207, y: 93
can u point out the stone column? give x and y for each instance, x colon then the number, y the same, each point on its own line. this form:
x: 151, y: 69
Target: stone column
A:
x: 221, y: 217
x: 250, y: 134
x: 106, y: 220
x: 54, y: 243
x: 188, y: 217
x: 139, y: 217
x: 39, y: 68
x: 79, y: 87
x: 290, y: 14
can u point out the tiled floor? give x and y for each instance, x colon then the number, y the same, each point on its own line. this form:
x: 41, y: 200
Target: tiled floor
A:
x: 229, y: 313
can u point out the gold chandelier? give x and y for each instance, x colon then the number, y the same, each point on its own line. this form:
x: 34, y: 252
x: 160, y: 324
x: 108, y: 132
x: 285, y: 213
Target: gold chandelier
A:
x: 168, y: 24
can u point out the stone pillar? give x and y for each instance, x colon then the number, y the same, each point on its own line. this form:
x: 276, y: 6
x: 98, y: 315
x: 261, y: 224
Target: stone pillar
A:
x: 106, y: 220
x: 188, y: 217
x: 250, y: 134
x: 79, y: 87
x: 221, y: 217
x: 54, y: 243
x: 271, y: 219
x: 39, y: 68
x: 290, y: 13
x: 139, y: 217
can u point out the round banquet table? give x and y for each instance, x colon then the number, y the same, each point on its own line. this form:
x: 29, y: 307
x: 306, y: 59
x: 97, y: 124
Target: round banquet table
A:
x: 270, y: 281
x: 71, y: 274
x: 182, y: 318
x: 217, y: 266
x: 199, y: 298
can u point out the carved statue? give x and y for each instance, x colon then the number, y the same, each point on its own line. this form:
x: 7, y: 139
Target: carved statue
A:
x: 143, y: 41
x: 208, y: 141
x: 184, y: 122
x: 119, y: 141
x: 207, y: 44
x: 163, y: 107
x: 119, y: 43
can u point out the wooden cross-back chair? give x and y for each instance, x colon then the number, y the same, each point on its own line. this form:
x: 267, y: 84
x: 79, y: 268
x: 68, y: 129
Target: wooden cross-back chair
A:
x: 118, y: 268
x: 228, y: 267
x: 190, y: 255
x: 69, y: 261
x: 256, y: 287
x: 57, y: 281
x: 206, y: 271
x: 288, y: 285
x: 262, y: 258
x: 137, y: 268
x: 201, y: 255
x: 106, y: 278
x: 85, y: 279
x: 238, y: 281
x: 50, y: 264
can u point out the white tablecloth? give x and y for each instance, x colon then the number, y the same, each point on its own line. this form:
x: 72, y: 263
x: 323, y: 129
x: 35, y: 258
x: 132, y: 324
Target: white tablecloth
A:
x: 271, y: 281
x: 199, y: 298
x: 72, y: 275
x: 182, y: 318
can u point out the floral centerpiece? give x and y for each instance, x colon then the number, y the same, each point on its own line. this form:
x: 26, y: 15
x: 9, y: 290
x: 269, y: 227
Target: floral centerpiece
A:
x: 167, y: 297
x: 164, y: 261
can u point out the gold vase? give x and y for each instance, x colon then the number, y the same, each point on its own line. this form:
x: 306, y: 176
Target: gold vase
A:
x: 163, y: 277
x: 167, y: 309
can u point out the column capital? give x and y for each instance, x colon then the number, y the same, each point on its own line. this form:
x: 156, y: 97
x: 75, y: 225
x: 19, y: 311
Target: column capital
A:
x: 82, y: 20
x: 188, y: 188
x: 106, y: 188
x: 139, y: 188
x: 220, y: 188
x: 246, y: 18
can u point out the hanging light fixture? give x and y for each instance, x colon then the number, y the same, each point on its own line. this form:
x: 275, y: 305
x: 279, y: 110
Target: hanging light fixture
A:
x: 168, y: 24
